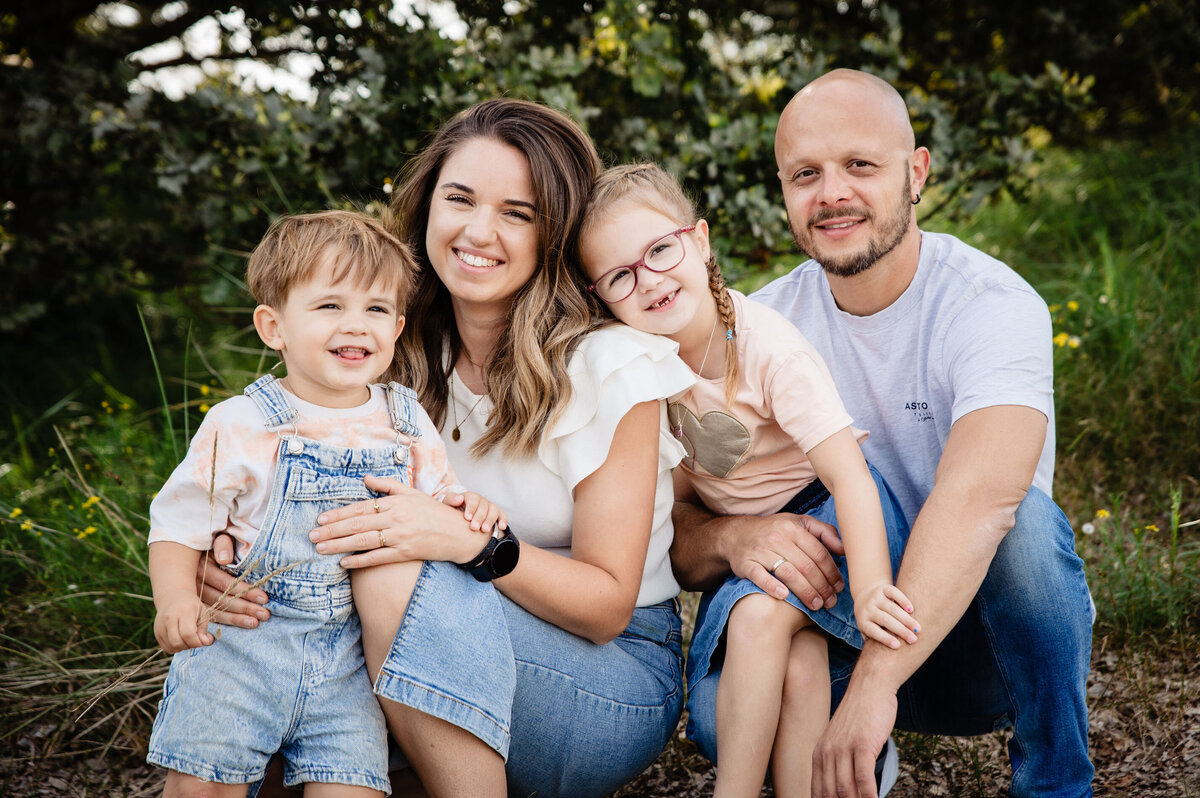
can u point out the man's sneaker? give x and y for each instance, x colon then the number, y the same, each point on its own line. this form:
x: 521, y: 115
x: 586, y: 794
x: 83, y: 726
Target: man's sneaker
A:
x: 887, y: 768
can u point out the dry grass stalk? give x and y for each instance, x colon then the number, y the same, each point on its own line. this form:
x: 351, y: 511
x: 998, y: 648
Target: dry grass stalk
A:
x: 207, y: 616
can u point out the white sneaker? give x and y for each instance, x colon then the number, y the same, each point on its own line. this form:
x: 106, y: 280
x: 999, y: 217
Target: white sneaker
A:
x: 887, y: 768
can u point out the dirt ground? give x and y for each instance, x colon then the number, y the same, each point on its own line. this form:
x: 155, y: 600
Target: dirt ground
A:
x: 1145, y: 741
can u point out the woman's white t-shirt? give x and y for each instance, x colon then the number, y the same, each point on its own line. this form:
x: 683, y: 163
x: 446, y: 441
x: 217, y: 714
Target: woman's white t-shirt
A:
x: 612, y: 370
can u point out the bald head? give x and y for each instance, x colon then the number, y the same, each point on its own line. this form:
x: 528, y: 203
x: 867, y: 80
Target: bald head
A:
x: 851, y: 175
x: 847, y: 100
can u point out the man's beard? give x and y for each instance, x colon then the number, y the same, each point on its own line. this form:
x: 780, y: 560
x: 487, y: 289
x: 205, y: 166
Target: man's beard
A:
x: 888, y: 236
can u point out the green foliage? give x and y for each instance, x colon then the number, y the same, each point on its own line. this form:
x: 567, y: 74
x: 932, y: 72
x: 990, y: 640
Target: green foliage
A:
x: 114, y: 194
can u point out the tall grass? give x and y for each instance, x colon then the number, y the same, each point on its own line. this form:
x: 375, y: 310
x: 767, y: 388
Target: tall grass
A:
x: 1108, y: 237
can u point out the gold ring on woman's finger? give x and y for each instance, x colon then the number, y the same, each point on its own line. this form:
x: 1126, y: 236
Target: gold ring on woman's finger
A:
x: 382, y: 542
x: 778, y: 563
x: 375, y: 504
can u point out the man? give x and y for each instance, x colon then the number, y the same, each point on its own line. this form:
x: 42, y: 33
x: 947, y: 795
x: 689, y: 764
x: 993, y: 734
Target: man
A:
x: 944, y: 355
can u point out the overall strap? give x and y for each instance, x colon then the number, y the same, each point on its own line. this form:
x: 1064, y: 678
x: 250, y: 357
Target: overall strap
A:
x: 271, y: 401
x: 402, y: 404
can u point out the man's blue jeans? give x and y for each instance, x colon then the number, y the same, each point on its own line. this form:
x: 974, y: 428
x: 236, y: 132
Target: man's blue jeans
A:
x: 1019, y: 656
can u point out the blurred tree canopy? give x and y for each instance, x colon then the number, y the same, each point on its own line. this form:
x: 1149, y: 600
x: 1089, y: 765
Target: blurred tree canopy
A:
x: 111, y: 192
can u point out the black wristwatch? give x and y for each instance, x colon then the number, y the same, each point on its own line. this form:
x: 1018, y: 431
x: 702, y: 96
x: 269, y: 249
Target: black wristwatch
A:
x: 498, y: 558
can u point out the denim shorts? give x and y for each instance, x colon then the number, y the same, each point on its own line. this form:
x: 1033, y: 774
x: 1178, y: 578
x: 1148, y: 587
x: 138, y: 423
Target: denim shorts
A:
x: 706, y: 653
x: 228, y: 707
x: 570, y: 717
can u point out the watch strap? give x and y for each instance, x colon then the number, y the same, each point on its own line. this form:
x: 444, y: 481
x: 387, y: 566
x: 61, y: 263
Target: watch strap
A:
x: 482, y: 567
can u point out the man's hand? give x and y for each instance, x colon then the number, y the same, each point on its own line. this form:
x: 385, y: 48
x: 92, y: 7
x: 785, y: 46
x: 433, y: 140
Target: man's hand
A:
x: 844, y: 759
x: 803, y: 544
x: 777, y: 552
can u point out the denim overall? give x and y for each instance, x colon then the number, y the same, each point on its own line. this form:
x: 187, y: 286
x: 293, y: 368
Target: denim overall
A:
x: 298, y: 683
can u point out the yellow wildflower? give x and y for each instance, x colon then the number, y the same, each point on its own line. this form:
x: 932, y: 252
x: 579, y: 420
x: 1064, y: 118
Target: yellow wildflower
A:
x: 205, y: 390
x: 27, y: 525
x: 204, y: 408
x: 1073, y: 342
x: 1151, y: 527
x: 764, y: 87
x: 87, y: 530
x: 1102, y: 513
x: 1055, y: 308
x: 1061, y: 339
x: 1072, y: 305
x: 1038, y: 137
x: 15, y: 512
x: 89, y: 501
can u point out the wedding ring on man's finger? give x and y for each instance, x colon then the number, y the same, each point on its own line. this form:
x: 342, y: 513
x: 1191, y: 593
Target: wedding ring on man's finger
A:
x: 778, y: 563
x: 375, y: 504
x: 382, y: 542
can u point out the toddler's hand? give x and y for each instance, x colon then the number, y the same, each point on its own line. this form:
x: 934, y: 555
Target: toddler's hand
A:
x: 884, y: 614
x: 176, y: 625
x: 482, y: 514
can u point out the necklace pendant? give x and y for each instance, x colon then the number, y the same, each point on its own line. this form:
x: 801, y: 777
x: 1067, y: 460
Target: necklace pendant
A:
x: 454, y: 435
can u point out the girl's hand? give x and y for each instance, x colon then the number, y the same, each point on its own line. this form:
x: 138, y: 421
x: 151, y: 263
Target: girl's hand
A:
x: 176, y: 624
x: 483, y: 515
x: 885, y: 615
x: 402, y: 526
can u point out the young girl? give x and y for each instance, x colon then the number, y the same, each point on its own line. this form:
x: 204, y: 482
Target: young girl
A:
x: 262, y: 467
x: 765, y: 432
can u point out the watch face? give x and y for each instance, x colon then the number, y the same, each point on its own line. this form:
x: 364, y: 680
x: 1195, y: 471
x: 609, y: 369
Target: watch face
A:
x: 504, y: 556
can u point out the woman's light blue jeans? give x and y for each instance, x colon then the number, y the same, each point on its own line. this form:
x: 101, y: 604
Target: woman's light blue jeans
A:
x: 571, y: 718
x: 1019, y: 657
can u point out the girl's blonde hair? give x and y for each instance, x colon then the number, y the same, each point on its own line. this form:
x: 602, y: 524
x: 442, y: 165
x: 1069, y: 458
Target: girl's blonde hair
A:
x: 527, y: 375
x: 650, y: 185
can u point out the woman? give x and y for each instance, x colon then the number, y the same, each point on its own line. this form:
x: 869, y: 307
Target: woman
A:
x: 564, y: 673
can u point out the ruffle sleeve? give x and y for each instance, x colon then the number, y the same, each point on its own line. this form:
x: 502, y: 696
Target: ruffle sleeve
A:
x: 613, y: 369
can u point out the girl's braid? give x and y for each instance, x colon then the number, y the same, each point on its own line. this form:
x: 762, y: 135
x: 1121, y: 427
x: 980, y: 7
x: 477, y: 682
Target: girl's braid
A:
x: 716, y: 284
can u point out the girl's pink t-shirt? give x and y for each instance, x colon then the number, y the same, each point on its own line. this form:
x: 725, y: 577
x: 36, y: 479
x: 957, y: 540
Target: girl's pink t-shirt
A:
x: 749, y: 459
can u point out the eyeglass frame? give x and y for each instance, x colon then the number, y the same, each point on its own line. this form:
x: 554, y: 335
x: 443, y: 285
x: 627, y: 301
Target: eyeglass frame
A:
x: 641, y: 263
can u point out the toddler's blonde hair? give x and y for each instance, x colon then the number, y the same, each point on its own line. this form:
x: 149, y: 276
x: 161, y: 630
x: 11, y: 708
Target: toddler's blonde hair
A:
x: 358, y: 247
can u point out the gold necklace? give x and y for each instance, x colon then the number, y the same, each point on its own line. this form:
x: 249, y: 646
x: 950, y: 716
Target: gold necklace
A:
x: 700, y: 371
x: 454, y: 433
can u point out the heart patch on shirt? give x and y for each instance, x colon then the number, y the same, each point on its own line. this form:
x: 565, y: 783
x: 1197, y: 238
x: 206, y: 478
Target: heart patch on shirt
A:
x: 717, y: 442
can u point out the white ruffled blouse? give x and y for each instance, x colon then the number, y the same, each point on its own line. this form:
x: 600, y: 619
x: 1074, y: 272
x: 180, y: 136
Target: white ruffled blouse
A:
x: 612, y: 370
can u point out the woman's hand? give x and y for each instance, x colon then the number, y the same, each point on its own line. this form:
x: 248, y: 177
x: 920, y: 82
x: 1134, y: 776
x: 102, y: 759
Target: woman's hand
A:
x: 232, y: 603
x: 404, y: 525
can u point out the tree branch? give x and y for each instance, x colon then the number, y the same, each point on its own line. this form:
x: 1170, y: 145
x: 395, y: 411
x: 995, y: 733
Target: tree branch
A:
x: 269, y: 56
